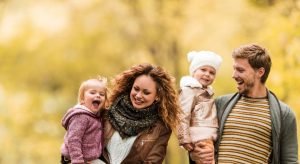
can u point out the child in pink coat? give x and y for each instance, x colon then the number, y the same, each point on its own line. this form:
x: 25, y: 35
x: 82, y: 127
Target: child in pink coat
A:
x: 83, y: 139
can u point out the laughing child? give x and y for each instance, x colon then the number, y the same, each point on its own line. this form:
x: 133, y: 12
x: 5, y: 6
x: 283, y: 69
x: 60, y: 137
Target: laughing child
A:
x: 83, y: 138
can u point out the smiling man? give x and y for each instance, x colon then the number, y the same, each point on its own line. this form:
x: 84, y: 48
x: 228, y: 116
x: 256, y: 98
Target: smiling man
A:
x: 254, y: 126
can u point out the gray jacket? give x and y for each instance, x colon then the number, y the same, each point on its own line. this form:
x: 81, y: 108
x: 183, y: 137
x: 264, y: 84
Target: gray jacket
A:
x: 284, y: 127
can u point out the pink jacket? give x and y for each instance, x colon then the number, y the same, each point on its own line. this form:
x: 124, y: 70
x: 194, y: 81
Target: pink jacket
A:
x: 83, y: 139
x: 199, y: 118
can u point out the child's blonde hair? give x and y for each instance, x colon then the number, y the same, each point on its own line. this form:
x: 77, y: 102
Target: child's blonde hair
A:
x: 84, y: 85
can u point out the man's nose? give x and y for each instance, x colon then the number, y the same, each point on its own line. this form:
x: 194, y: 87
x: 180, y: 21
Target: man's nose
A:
x: 234, y: 74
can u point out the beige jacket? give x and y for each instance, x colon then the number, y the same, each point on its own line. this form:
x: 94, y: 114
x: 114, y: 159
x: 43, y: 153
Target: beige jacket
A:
x: 149, y: 147
x: 198, y: 120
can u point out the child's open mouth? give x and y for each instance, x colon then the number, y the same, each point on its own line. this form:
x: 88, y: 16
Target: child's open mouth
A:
x: 96, y: 103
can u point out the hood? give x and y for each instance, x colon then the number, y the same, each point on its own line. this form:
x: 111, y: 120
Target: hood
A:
x: 76, y: 110
x: 189, y: 81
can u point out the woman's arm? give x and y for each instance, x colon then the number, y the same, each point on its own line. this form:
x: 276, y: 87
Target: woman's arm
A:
x: 159, y: 149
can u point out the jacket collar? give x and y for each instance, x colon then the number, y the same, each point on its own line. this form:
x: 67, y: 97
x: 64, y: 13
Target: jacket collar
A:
x: 275, y: 112
x: 83, y: 108
x: 189, y: 81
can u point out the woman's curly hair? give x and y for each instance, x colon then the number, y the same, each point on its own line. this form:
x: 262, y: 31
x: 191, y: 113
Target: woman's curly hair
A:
x: 168, y: 105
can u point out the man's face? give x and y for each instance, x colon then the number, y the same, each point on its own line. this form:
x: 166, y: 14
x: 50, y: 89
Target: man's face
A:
x: 245, y: 76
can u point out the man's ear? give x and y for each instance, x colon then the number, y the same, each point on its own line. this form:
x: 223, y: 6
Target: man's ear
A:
x: 261, y: 71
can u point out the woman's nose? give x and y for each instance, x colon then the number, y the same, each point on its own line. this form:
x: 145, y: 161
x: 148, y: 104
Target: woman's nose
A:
x: 138, y: 94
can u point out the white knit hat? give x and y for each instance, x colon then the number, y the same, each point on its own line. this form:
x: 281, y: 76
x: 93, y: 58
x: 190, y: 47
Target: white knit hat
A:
x: 202, y: 58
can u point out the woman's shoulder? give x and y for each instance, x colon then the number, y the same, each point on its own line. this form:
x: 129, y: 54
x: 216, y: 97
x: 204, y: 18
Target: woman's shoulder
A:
x: 104, y: 114
x: 161, y: 126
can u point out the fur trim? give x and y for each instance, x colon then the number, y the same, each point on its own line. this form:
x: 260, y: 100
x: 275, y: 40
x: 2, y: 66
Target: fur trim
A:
x: 189, y: 81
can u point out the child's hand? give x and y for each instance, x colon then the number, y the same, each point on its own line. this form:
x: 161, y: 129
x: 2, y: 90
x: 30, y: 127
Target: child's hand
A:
x: 188, y: 146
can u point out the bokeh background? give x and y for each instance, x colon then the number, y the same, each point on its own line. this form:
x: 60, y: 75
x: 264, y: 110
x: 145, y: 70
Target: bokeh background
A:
x: 47, y: 47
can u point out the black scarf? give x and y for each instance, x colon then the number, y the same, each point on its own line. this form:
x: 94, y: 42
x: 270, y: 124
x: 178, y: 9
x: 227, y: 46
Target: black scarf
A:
x: 129, y: 121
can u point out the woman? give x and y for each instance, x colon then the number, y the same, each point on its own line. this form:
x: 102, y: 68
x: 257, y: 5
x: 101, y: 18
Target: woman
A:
x: 144, y: 110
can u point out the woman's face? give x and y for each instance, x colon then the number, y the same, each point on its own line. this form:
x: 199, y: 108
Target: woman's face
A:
x: 143, y: 92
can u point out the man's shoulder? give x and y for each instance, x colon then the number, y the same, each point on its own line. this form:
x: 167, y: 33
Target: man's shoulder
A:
x: 225, y: 98
x: 285, y: 108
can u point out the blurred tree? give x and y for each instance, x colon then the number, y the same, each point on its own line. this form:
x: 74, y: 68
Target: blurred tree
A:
x: 48, y: 47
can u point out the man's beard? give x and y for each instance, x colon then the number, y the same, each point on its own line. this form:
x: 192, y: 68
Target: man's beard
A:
x: 247, y: 87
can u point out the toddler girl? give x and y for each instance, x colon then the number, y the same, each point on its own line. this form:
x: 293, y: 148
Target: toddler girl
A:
x: 198, y: 122
x: 83, y: 139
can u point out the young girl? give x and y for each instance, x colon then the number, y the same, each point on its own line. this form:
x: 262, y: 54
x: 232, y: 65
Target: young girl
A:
x: 83, y: 139
x: 198, y: 122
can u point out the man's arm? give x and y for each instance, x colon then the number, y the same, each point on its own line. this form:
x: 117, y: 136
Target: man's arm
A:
x: 288, y: 141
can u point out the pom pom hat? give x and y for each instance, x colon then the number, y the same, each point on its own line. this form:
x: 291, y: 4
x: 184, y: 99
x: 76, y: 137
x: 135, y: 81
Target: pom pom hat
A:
x: 202, y: 58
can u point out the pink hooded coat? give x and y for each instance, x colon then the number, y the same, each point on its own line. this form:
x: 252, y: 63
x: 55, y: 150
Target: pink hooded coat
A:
x: 83, y: 139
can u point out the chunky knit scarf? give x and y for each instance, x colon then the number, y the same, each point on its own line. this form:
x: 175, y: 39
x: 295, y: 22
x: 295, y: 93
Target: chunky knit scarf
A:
x: 129, y: 121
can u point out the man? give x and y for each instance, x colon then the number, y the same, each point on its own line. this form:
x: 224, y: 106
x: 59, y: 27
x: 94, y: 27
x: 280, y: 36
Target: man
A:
x: 254, y: 126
